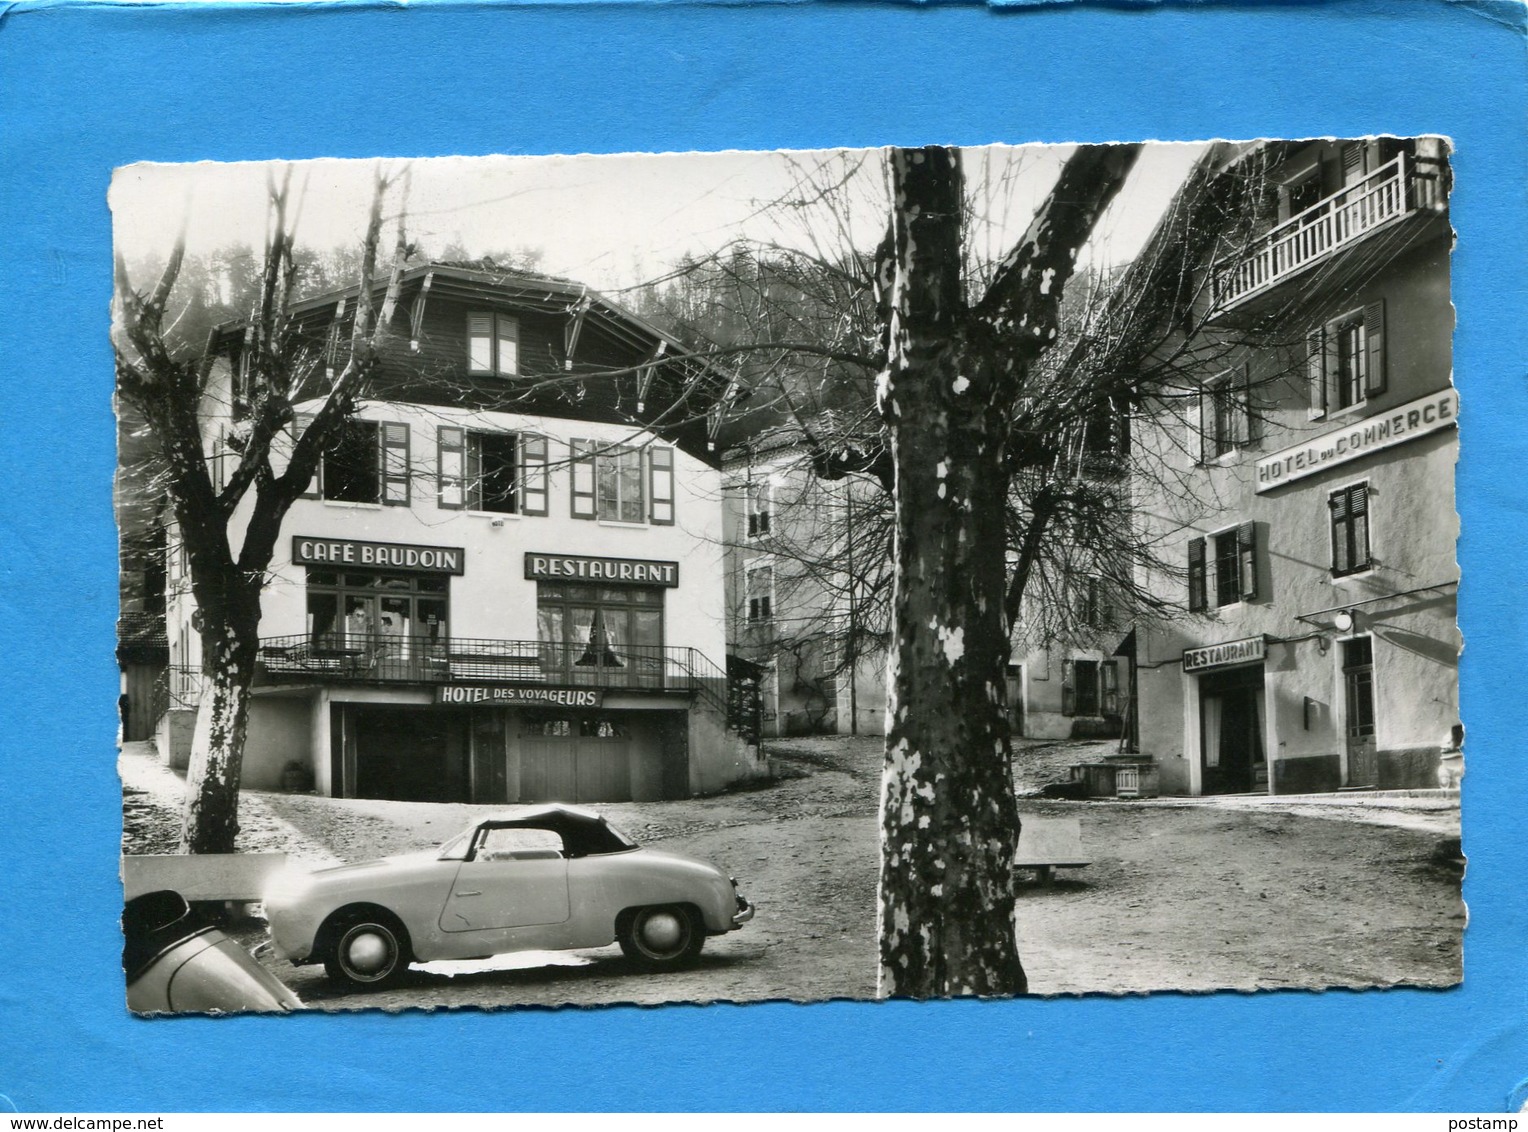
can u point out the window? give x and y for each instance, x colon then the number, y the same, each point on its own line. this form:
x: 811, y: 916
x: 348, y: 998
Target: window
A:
x: 1225, y: 419
x: 1349, y: 508
x: 1345, y: 360
x: 492, y: 471
x: 1222, y: 569
x: 1094, y: 610
x: 493, y: 344
x: 600, y: 634
x: 608, y: 483
x: 369, y: 463
x: 761, y: 499
x: 1301, y: 192
x: 761, y: 594
x: 358, y: 611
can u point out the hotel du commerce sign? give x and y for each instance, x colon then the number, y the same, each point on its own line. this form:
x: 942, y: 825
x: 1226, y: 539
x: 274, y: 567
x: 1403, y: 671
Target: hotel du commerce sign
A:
x: 1365, y: 435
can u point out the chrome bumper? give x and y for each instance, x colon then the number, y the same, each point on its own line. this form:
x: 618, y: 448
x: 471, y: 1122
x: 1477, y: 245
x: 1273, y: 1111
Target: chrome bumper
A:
x: 744, y: 914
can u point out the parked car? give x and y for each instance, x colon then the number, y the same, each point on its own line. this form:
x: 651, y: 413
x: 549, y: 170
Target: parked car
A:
x: 178, y: 962
x: 542, y: 878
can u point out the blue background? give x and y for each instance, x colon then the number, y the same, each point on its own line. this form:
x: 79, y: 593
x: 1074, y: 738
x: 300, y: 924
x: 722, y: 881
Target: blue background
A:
x: 85, y: 88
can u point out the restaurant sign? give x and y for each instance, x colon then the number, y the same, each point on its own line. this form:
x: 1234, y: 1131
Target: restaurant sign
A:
x: 308, y: 550
x: 1363, y: 436
x: 1216, y: 656
x: 519, y: 697
x: 619, y: 571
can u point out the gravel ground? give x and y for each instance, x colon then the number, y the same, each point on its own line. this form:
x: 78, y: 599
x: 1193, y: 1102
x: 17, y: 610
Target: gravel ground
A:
x: 1197, y: 897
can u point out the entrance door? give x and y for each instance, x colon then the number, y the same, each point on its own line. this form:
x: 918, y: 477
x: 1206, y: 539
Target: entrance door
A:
x: 1231, y: 731
x: 1358, y: 682
x: 575, y: 759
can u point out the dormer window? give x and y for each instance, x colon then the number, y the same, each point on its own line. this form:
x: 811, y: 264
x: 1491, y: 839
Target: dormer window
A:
x: 493, y: 343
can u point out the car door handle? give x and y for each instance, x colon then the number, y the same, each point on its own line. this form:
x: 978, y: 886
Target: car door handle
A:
x: 469, y: 893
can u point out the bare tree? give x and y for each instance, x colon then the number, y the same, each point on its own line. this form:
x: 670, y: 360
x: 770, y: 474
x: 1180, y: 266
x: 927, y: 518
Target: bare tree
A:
x: 228, y: 529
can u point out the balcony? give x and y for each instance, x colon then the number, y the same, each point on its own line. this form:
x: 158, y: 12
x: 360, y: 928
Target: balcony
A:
x: 1398, y: 189
x: 390, y: 659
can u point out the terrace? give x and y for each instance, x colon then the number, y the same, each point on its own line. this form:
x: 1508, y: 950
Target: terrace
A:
x: 1400, y: 188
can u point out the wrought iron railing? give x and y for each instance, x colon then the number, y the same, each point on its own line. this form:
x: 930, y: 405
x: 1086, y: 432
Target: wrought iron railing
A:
x: 1397, y: 188
x: 389, y: 659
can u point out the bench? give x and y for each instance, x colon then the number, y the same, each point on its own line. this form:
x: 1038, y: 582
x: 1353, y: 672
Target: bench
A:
x: 236, y: 877
x: 1047, y: 844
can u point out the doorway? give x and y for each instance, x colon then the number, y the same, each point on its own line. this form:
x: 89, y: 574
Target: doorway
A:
x: 409, y: 754
x: 1231, y: 715
x: 1358, y: 687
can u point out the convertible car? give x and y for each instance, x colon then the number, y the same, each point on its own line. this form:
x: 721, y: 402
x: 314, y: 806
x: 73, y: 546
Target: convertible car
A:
x: 543, y: 878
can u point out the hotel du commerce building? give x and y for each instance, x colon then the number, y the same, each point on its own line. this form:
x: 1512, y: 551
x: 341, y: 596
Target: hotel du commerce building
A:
x: 505, y: 583
x: 1308, y: 499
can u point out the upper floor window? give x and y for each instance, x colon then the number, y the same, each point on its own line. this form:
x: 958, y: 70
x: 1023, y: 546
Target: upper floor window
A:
x: 492, y: 471
x: 761, y: 593
x: 761, y: 503
x: 623, y: 484
x: 1349, y: 507
x: 369, y: 463
x: 1345, y: 360
x: 493, y: 343
x: 1224, y: 421
x: 1222, y: 570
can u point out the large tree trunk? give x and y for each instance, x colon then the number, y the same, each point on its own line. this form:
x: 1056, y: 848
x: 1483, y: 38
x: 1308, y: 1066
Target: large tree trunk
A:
x: 230, y: 644
x: 949, y: 821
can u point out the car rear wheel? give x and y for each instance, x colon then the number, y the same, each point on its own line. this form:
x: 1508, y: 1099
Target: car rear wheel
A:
x: 666, y: 935
x: 369, y: 952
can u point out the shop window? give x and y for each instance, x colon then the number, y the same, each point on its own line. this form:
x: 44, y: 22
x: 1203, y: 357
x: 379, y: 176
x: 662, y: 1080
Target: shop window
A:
x: 493, y: 344
x: 1222, y: 569
x: 608, y: 483
x: 600, y: 634
x: 1349, y: 509
x: 761, y: 594
x: 491, y: 471
x: 369, y: 463
x: 1345, y: 360
x: 402, y: 615
x: 761, y: 501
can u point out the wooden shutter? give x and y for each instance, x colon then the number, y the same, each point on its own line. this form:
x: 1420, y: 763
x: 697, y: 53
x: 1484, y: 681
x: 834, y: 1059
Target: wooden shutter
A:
x: 1315, y: 371
x: 1341, y: 561
x: 1246, y: 557
x: 1358, y: 509
x: 533, y: 484
x: 1195, y: 441
x: 507, y: 346
x: 450, y: 467
x: 1248, y: 424
x: 1198, y: 583
x: 480, y: 343
x: 394, y: 455
x: 1374, y: 344
x: 582, y: 468
x: 300, y: 425
x: 1352, y: 162
x: 661, y: 485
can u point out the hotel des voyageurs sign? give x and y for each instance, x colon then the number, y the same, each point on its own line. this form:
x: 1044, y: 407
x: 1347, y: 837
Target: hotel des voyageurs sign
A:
x: 1395, y: 426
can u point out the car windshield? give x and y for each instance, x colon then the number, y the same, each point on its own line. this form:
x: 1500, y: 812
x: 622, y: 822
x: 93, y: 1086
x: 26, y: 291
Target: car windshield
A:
x: 456, y: 848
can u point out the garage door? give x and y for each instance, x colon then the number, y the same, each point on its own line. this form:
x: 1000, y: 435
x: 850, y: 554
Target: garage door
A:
x: 575, y: 759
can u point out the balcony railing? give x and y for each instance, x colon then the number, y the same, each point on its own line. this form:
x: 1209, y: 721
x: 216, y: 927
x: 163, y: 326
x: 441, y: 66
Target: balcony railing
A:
x: 389, y: 659
x: 1400, y: 187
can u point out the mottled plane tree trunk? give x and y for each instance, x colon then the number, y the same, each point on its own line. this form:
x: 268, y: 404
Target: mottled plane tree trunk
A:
x: 954, y: 375
x: 169, y: 388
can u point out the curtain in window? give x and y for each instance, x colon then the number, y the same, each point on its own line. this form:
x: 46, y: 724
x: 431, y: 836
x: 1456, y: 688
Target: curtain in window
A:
x: 1211, y: 714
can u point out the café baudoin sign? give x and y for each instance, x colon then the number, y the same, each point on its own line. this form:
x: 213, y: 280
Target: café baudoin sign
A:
x: 1352, y: 441
x: 310, y: 550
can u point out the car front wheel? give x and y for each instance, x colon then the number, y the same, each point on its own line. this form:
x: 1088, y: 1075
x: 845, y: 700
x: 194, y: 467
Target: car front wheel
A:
x: 369, y: 952
x: 667, y: 935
